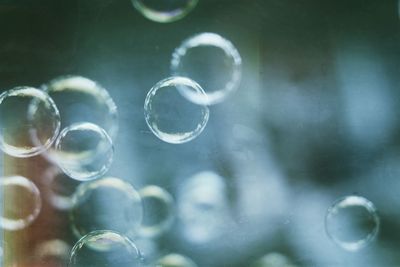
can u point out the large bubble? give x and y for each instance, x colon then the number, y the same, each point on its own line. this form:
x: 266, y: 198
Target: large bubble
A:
x: 29, y: 122
x: 84, y: 151
x: 105, y: 249
x: 21, y: 202
x: 170, y: 116
x: 352, y: 222
x: 80, y: 99
x: 108, y: 203
x: 210, y: 60
x: 164, y: 10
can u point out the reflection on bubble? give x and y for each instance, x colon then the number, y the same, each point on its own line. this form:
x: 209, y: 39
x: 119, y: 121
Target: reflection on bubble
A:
x: 164, y: 11
x: 107, y: 203
x: 158, y: 211
x: 82, y: 100
x: 171, y: 117
x: 84, y: 151
x: 175, y: 260
x: 52, y: 253
x: 59, y: 188
x: 105, y: 249
x: 203, y: 207
x: 210, y: 60
x: 352, y: 222
x: 29, y: 122
x: 21, y: 202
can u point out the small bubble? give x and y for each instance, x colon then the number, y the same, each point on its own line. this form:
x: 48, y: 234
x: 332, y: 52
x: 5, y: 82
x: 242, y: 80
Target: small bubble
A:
x: 170, y: 116
x: 352, y: 222
x: 21, y: 202
x: 210, y: 60
x: 105, y: 249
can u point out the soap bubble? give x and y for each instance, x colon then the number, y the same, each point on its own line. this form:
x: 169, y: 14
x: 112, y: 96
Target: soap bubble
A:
x: 80, y: 99
x: 108, y: 203
x: 52, y: 253
x: 210, y: 60
x: 175, y: 260
x: 164, y: 10
x: 158, y: 210
x: 171, y: 117
x: 29, y: 122
x: 105, y: 249
x: 352, y: 222
x: 21, y: 202
x: 59, y: 188
x: 84, y: 151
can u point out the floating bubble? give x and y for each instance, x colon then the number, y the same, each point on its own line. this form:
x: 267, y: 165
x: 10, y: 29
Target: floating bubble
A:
x: 352, y: 222
x: 108, y: 203
x: 164, y: 11
x: 59, y: 188
x: 171, y: 117
x: 210, y: 60
x: 80, y: 99
x: 175, y: 260
x: 84, y: 151
x: 105, y: 249
x: 29, y: 122
x: 21, y: 202
x: 158, y: 211
x: 52, y: 253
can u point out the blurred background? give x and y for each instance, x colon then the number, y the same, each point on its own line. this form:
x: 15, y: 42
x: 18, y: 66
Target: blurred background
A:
x: 315, y: 118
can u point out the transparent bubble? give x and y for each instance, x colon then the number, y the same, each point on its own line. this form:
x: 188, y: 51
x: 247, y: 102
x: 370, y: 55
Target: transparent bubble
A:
x: 52, y: 253
x: 175, y: 260
x: 170, y: 116
x: 80, y: 99
x: 105, y: 249
x: 352, y: 222
x: 164, y: 10
x: 84, y: 151
x: 210, y: 60
x: 29, y: 122
x: 21, y: 202
x: 158, y: 208
x: 59, y: 188
x: 108, y: 203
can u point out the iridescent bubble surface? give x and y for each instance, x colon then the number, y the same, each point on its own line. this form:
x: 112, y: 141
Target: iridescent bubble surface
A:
x: 21, y: 202
x: 210, y: 60
x: 29, y: 122
x: 105, y: 249
x: 84, y: 151
x: 171, y: 117
x: 164, y: 10
x: 108, y: 203
x: 158, y: 208
x: 352, y: 222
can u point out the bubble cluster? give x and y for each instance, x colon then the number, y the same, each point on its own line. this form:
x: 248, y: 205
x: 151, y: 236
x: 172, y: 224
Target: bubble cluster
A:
x: 170, y: 116
x: 105, y: 249
x: 21, y: 202
x: 164, y: 11
x: 210, y: 60
x: 29, y: 122
x: 84, y: 151
x: 108, y: 203
x: 158, y: 208
x: 352, y: 222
